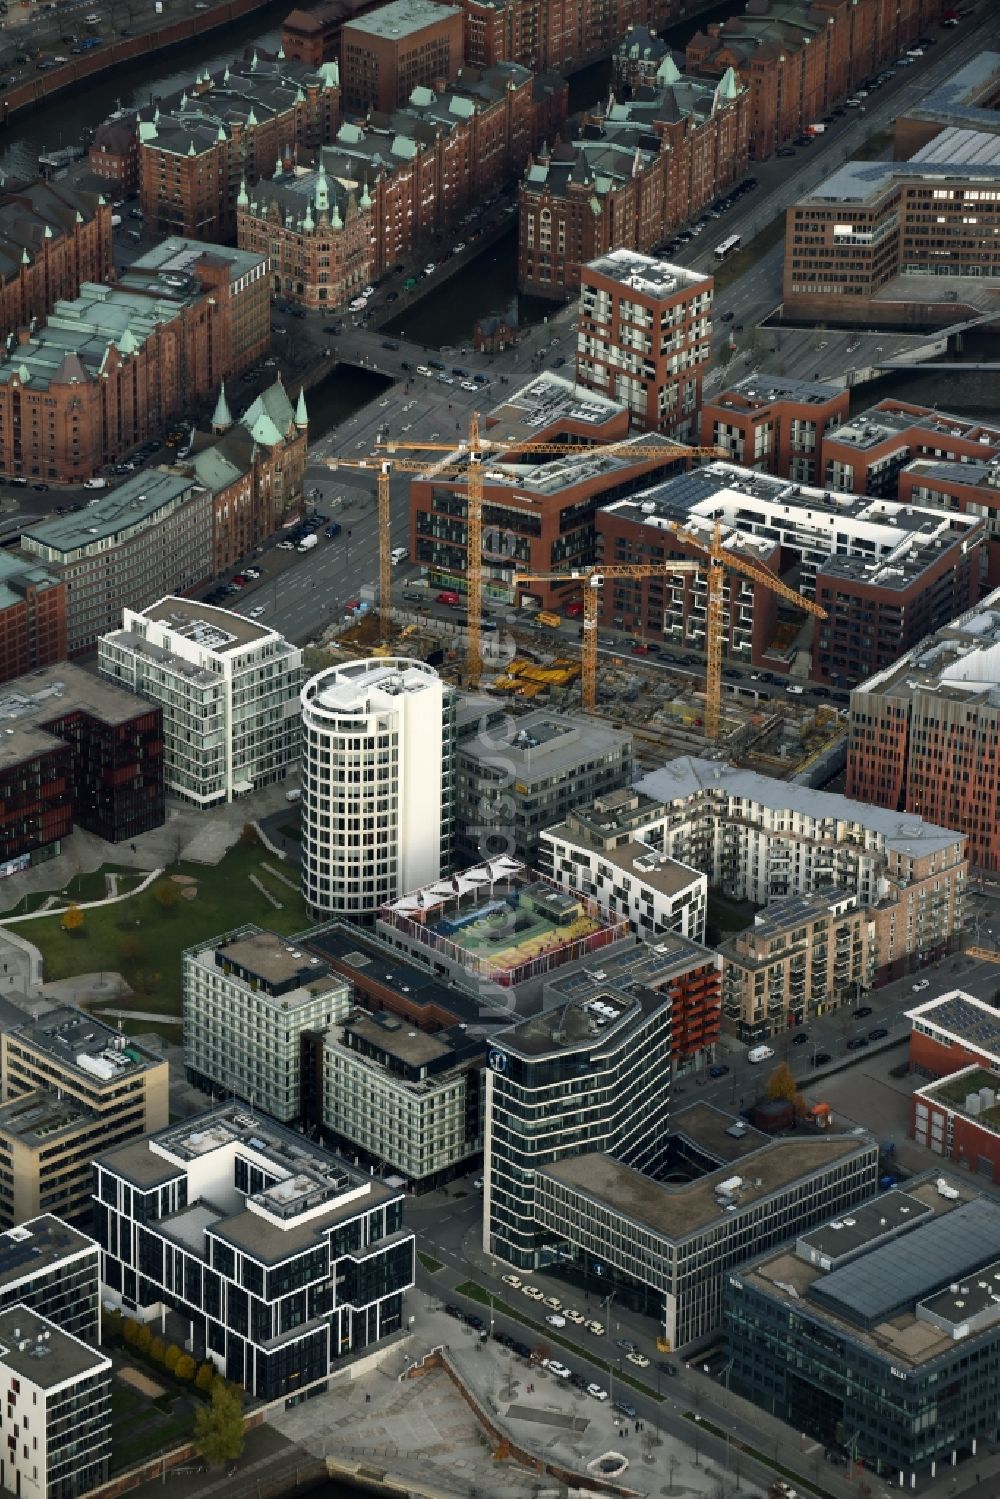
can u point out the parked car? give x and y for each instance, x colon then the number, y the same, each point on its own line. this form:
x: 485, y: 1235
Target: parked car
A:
x: 554, y: 1320
x: 821, y: 1058
x: 918, y: 987
x: 512, y: 1280
x: 596, y: 1392
x: 864, y: 1010
x: 718, y: 1070
x: 556, y: 1368
x: 878, y: 1034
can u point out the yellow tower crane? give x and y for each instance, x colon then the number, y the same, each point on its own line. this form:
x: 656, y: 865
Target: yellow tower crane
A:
x: 590, y: 580
x: 474, y: 450
x: 718, y: 560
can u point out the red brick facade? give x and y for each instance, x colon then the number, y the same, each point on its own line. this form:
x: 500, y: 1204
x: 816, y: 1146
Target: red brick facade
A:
x: 644, y: 338
x: 32, y: 617
x: 796, y: 69
x: 56, y: 239
x: 114, y: 152
x: 382, y: 63
x: 645, y: 168
x: 195, y: 151
x: 313, y: 36
x: 774, y: 426
x: 561, y: 34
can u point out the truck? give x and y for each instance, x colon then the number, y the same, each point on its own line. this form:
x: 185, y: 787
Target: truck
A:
x: 548, y: 619
x: 308, y: 542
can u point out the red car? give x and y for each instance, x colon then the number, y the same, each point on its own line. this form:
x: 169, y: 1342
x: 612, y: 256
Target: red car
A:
x: 239, y: 581
x: 573, y: 611
x: 640, y: 650
x: 450, y: 598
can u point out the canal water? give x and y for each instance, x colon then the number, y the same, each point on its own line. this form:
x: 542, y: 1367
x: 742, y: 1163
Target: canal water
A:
x: 64, y: 120
x: 343, y: 392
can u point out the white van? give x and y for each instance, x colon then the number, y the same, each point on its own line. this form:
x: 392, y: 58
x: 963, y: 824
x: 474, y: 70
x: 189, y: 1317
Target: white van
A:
x: 399, y: 554
x: 759, y: 1054
x: 795, y: 688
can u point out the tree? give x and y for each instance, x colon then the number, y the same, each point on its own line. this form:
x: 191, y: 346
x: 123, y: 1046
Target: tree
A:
x: 144, y: 1338
x: 130, y: 1329
x: 185, y: 1367
x: 111, y: 1325
x: 73, y: 918
x: 157, y: 1349
x: 781, y: 1084
x: 249, y: 837
x: 171, y: 1357
x: 205, y: 1378
x: 166, y: 895
x: 218, y: 1425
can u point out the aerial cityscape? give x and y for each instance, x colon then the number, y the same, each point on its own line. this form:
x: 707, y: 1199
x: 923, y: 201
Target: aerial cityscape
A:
x: 500, y: 759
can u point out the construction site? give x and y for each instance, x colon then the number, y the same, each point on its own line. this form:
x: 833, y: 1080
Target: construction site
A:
x: 502, y: 643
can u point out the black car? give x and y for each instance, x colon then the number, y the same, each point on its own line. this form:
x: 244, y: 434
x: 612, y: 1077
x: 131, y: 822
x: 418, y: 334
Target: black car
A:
x: 727, y: 317
x: 665, y: 1367
x: 719, y: 1070
x: 579, y: 1380
x: 297, y: 311
x: 475, y: 1321
x: 387, y: 343
x: 821, y: 1058
x: 392, y: 296
x: 454, y: 1311
x: 800, y: 1038
x: 624, y: 1409
x: 332, y: 328
x: 557, y: 364
x: 878, y: 1034
x: 856, y: 1042
x: 863, y: 1011
x: 522, y: 1350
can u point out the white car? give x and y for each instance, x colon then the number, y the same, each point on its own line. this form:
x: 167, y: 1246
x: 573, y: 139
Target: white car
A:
x: 399, y: 554
x: 921, y: 985
x: 423, y: 370
x: 553, y: 1303
x: 597, y: 1328
x: 286, y: 546
x: 457, y: 249
x: 256, y: 613
x: 554, y: 1367
x: 554, y: 1320
x: 572, y: 1315
x: 430, y: 269
x: 596, y: 1392
x: 639, y: 1359
x: 469, y: 385
x: 512, y: 1280
x: 532, y: 1293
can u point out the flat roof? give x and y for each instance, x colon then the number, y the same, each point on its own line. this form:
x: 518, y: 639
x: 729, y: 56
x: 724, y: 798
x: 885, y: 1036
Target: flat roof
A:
x: 678, y: 1211
x: 628, y: 967
x: 176, y: 255
x: 586, y: 1024
x: 689, y: 776
x: 37, y: 1246
x: 397, y: 1039
x: 964, y: 155
x: 646, y: 273
x: 959, y: 664
x: 78, y: 1042
x: 29, y: 703
x: 971, y: 1092
x: 19, y: 573
x: 135, y: 502
x: 843, y: 1237
x: 961, y: 1017
x: 542, y: 744
x: 877, y: 1285
x: 657, y: 870
x: 40, y: 1116
x: 360, y: 687
x: 42, y: 1353
x: 401, y: 18
x: 954, y: 97
x: 275, y: 959
x: 761, y: 390
x: 215, y: 630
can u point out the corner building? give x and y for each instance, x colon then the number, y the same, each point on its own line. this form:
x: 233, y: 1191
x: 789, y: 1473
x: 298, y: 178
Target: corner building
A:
x: 592, y: 1075
x: 262, y: 1252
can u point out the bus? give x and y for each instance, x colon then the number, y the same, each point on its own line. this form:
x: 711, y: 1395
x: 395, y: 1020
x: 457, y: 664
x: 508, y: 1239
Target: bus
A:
x: 728, y: 246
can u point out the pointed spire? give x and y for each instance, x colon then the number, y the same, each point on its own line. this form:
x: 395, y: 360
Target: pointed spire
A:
x: 79, y: 217
x: 191, y: 150
x: 156, y: 115
x: 48, y: 231
x: 301, y: 415
x: 308, y: 222
x: 667, y: 71
x: 254, y: 61
x: 222, y: 133
x: 184, y: 99
x: 364, y: 201
x: 242, y: 197
x: 222, y: 418
x: 127, y: 343
x: 225, y: 76
x: 336, y: 222
x: 251, y: 117
x: 281, y: 53
x: 25, y: 258
x: 300, y: 97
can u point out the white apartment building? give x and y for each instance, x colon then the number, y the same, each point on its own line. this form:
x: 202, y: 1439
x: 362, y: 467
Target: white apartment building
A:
x: 229, y: 690
x: 57, y: 1409
x: 377, y: 783
x: 628, y: 879
x: 248, y: 998
x: 410, y: 1101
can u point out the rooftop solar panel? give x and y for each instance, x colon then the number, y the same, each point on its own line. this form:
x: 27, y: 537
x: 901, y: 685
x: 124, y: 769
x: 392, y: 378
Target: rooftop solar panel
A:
x: 878, y: 1285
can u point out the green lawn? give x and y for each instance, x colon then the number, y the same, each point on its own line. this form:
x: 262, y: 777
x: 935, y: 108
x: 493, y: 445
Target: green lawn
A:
x: 761, y: 1457
x: 429, y: 1262
x: 746, y: 258
x: 144, y: 942
x: 139, y: 1428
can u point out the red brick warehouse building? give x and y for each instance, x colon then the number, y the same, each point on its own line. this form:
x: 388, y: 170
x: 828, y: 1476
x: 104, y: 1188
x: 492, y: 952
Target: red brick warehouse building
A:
x: 633, y: 175
x: 52, y: 239
x: 111, y: 368
x: 197, y: 147
x: 388, y: 52
x: 798, y: 58
x: 561, y: 34
x: 313, y: 36
x: 32, y: 616
x: 955, y: 1041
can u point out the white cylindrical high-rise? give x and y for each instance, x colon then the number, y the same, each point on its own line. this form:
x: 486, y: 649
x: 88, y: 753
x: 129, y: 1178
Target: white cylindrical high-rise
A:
x: 377, y: 752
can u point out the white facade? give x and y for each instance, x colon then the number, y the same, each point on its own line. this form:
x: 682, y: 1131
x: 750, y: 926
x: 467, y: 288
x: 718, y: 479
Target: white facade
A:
x: 377, y: 766
x: 229, y: 691
x: 57, y: 1394
x: 654, y: 893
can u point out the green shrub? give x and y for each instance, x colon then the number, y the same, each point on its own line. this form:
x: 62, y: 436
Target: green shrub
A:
x: 185, y: 1367
x: 171, y: 1357
x: 144, y: 1338
x: 205, y: 1378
